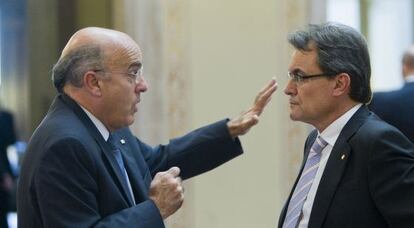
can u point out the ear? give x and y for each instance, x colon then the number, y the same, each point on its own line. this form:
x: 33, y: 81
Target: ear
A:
x: 91, y: 83
x: 342, y: 84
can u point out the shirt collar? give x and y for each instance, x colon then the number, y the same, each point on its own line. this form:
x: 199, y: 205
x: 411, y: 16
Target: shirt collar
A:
x: 331, y: 133
x: 98, y: 124
x: 409, y: 78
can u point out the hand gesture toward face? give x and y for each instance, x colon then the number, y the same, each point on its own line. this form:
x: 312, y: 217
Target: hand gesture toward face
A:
x: 242, y: 123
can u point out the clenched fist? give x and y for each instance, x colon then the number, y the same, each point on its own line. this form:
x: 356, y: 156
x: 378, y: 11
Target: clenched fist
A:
x: 167, y: 192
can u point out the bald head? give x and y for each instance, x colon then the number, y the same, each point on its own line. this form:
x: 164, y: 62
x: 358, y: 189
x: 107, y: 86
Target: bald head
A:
x: 88, y: 49
x: 101, y: 37
x: 408, y: 62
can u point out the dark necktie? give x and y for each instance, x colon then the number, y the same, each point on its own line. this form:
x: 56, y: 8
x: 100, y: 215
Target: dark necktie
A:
x: 118, y: 156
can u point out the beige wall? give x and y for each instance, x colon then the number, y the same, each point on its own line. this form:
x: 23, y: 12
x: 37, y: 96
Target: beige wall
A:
x: 236, y: 47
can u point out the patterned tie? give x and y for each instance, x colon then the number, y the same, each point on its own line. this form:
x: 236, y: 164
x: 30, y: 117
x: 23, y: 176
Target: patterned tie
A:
x: 121, y: 166
x: 304, y: 184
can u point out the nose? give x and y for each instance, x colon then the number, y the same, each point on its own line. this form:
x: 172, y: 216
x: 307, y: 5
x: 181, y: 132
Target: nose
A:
x: 290, y: 88
x: 141, y: 85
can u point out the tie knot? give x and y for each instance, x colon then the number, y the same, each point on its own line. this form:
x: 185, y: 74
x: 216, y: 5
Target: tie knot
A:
x: 322, y: 141
x: 319, y: 144
x: 112, y: 141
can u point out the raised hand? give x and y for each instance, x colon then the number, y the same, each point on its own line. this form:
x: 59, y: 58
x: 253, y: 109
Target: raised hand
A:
x: 241, y: 124
x: 167, y: 192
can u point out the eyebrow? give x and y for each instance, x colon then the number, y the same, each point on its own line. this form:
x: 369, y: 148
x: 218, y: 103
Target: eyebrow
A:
x: 135, y: 64
x: 297, y: 70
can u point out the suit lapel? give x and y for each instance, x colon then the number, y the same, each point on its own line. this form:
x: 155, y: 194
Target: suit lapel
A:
x: 334, y: 169
x: 105, y: 147
x: 329, y: 181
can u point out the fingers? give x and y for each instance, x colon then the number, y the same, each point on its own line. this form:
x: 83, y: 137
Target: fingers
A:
x: 180, y: 190
x: 264, y: 96
x: 167, y: 192
x: 270, y: 89
x: 179, y: 179
x: 242, y: 123
x: 246, y: 123
x: 268, y: 86
x: 174, y: 171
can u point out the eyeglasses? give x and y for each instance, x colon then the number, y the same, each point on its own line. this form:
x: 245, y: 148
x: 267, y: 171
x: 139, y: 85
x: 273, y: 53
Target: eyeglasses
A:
x: 297, y: 78
x: 136, y: 76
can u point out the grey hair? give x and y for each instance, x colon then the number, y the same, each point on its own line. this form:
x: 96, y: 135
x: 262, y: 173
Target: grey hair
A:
x: 341, y: 49
x: 71, y: 67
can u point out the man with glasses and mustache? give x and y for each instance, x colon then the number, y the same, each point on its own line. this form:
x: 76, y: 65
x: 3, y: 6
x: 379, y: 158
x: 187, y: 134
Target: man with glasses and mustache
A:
x: 357, y: 170
x: 84, y: 168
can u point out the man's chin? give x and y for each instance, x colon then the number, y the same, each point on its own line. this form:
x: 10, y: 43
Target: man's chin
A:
x: 294, y: 117
x: 131, y: 120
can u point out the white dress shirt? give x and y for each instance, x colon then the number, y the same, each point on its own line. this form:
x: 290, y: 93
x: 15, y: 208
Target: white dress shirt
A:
x: 98, y: 124
x: 330, y: 135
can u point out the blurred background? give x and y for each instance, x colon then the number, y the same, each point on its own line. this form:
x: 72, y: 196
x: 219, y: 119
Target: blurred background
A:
x: 204, y: 61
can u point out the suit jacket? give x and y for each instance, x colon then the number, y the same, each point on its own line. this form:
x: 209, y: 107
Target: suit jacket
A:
x: 396, y: 108
x: 368, y: 180
x: 70, y: 177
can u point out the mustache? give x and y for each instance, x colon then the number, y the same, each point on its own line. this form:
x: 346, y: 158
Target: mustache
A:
x: 292, y: 101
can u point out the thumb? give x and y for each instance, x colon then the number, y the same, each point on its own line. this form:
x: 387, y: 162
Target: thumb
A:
x: 175, y: 171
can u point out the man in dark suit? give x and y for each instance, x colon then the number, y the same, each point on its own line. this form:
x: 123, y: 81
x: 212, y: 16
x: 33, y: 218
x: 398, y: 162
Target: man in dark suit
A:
x: 84, y: 168
x: 357, y: 171
x: 397, y: 107
x: 7, y: 138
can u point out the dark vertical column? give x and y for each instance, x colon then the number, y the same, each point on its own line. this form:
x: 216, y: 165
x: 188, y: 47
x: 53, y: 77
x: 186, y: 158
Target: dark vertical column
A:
x: 42, y: 34
x: 94, y: 13
x: 66, y: 24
